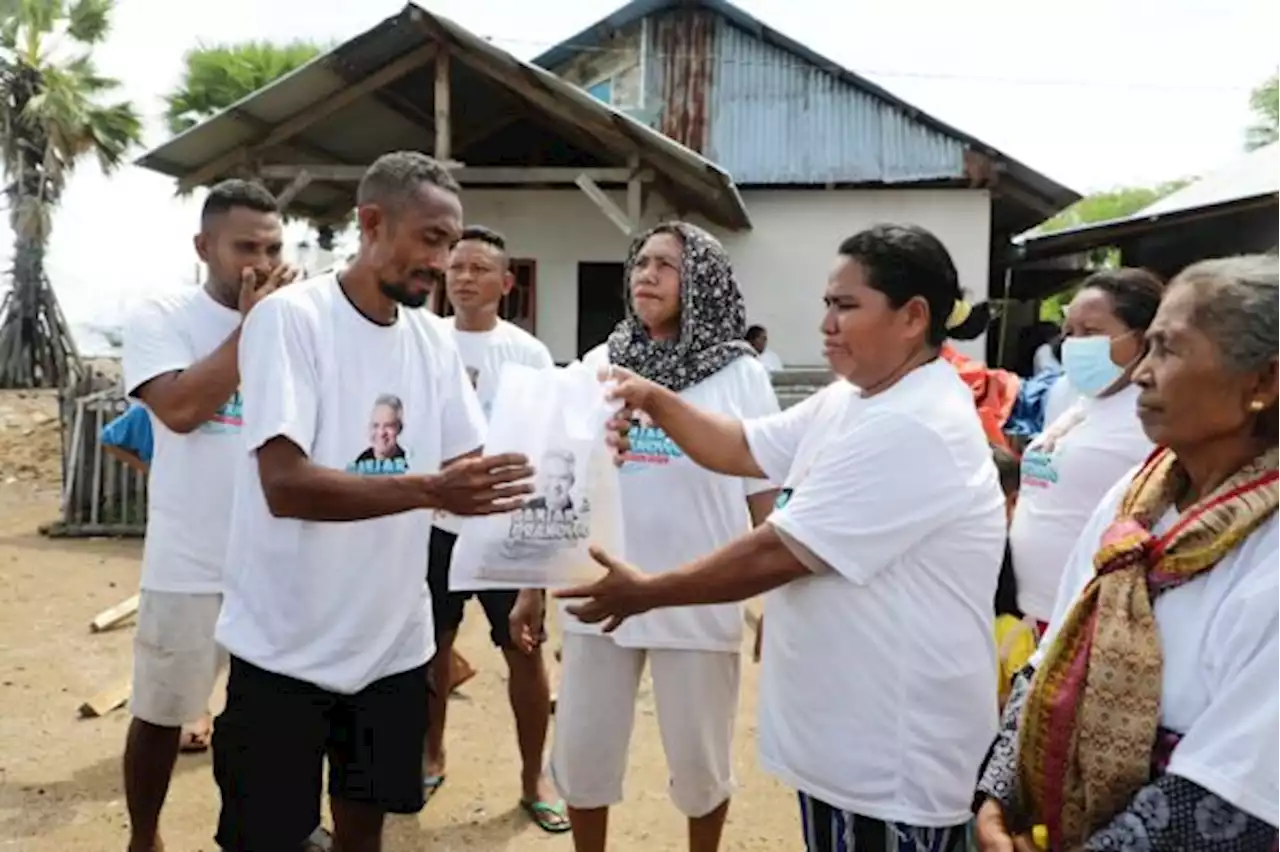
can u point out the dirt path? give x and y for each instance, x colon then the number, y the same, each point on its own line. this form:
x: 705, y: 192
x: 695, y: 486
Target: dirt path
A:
x: 60, y: 787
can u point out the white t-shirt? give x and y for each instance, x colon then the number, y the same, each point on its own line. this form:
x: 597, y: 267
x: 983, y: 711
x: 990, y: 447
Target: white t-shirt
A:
x: 1220, y: 642
x: 878, y: 691
x: 340, y: 605
x: 674, y: 512
x: 483, y: 354
x: 1060, y: 489
x: 1060, y: 397
x: 191, y: 476
x: 770, y: 360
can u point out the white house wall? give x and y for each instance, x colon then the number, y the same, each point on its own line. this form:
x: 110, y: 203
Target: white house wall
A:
x: 782, y: 264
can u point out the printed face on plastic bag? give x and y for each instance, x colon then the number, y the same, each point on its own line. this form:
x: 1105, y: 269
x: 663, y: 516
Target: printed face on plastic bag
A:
x: 556, y: 417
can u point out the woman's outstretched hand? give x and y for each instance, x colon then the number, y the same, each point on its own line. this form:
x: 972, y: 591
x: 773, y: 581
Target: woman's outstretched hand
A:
x: 621, y: 593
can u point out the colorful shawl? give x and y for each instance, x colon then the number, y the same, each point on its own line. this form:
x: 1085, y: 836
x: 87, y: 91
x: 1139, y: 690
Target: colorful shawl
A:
x: 1089, y: 724
x: 713, y: 317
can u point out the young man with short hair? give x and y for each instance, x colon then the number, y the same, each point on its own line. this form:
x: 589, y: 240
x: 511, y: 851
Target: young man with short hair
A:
x: 359, y: 422
x: 478, y: 278
x: 180, y: 361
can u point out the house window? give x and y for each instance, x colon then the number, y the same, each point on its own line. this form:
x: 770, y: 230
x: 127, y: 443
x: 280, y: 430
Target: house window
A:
x: 602, y: 91
x: 519, y: 307
x: 621, y: 89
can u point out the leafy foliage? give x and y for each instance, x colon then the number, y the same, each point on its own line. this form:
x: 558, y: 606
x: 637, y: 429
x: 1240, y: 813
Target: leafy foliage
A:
x: 55, y: 109
x: 1110, y: 204
x: 51, y: 106
x: 221, y: 75
x: 1265, y: 103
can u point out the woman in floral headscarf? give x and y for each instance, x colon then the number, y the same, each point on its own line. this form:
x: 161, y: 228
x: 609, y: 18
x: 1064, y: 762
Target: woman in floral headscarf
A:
x: 1148, y: 718
x: 684, y: 330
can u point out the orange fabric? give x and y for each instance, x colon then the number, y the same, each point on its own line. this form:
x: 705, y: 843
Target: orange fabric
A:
x: 994, y: 392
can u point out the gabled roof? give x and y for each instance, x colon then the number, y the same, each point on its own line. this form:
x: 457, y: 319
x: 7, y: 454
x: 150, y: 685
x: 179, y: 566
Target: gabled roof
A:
x: 1251, y: 180
x: 1049, y: 194
x: 489, y: 86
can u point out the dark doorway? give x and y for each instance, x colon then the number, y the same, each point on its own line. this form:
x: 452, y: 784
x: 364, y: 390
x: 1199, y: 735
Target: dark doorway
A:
x: 600, y: 305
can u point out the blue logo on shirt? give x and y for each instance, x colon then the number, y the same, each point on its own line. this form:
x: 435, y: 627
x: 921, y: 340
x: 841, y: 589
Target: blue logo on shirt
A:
x: 228, y: 418
x: 650, y: 446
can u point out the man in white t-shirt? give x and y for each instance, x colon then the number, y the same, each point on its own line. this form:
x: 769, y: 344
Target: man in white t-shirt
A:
x: 180, y: 361
x: 758, y: 337
x: 478, y: 278
x: 326, y: 615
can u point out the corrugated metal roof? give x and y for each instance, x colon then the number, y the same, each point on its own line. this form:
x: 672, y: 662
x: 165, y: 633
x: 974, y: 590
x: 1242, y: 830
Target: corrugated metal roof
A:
x: 1246, y: 181
x: 398, y: 115
x: 1256, y: 173
x: 905, y: 141
x: 779, y: 121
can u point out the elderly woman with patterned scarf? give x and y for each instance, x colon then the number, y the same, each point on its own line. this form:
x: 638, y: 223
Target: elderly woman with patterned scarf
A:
x: 684, y: 330
x: 1148, y: 718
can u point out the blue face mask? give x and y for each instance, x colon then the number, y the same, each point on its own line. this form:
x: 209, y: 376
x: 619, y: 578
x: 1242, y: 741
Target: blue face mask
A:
x: 1088, y: 365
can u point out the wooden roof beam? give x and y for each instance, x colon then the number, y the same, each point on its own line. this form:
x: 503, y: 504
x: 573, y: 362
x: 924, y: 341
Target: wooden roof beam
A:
x: 305, y: 118
x: 470, y: 175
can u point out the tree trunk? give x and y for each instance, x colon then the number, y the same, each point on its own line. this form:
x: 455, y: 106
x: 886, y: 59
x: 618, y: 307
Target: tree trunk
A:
x: 36, y: 349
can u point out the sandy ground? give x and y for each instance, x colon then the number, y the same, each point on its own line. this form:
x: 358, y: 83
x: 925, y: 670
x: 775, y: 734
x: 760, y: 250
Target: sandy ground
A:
x: 60, y: 786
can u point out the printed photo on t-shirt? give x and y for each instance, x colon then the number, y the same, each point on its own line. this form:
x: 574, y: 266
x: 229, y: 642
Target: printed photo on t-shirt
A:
x: 384, y: 455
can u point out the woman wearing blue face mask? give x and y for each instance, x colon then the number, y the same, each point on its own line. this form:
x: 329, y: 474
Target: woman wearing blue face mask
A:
x: 1072, y: 464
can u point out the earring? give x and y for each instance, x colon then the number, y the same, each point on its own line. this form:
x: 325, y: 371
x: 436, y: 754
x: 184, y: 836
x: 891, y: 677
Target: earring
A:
x: 1257, y: 405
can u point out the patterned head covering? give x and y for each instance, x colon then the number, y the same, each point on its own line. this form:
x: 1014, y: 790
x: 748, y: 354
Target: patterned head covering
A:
x: 712, y: 316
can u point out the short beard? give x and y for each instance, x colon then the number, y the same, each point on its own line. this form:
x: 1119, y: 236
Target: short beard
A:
x: 400, y: 294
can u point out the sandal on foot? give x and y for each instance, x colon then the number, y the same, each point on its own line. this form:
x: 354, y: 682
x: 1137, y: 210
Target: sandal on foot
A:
x: 431, y: 785
x: 552, y: 819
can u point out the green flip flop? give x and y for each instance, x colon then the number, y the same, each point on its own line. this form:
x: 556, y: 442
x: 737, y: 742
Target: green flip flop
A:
x: 552, y: 819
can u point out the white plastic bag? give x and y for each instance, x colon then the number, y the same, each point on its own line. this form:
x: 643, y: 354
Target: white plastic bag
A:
x: 556, y: 417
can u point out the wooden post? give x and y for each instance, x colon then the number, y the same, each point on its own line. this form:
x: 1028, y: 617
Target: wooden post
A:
x: 635, y: 194
x: 444, y: 135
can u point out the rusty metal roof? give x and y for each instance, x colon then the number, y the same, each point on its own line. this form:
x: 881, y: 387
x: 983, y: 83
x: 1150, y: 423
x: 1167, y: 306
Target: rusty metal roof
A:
x: 846, y: 128
x: 505, y: 112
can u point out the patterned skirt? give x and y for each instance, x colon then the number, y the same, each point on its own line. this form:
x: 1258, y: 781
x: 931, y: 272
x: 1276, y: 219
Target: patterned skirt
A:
x: 829, y: 829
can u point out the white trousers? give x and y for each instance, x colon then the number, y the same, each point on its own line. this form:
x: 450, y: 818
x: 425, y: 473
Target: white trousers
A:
x: 175, y: 657
x: 696, y: 693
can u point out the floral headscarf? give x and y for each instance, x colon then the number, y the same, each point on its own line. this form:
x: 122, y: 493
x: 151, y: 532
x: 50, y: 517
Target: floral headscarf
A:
x: 713, y: 317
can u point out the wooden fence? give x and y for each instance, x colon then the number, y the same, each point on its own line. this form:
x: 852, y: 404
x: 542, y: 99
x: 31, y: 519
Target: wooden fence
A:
x: 100, y: 495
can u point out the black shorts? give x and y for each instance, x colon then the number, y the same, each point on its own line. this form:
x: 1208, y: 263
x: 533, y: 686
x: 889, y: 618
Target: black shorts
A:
x: 447, y: 607
x: 270, y: 742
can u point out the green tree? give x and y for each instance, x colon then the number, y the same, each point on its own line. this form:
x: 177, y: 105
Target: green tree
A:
x: 1265, y: 103
x: 1099, y: 207
x: 52, y: 114
x: 218, y: 76
x: 1110, y: 204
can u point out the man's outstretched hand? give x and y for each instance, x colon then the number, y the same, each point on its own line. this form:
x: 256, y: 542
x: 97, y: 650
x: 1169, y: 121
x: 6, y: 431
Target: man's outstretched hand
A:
x: 621, y: 593
x: 483, y: 485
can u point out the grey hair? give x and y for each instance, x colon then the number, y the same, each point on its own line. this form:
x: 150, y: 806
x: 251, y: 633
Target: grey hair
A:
x: 393, y: 402
x: 394, y: 177
x: 1238, y: 307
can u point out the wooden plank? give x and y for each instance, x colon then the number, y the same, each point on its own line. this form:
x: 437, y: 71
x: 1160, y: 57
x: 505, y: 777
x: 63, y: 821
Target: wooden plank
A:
x: 443, y: 110
x: 466, y: 175
x: 111, y: 698
x: 635, y: 194
x: 611, y: 211
x: 243, y: 154
x: 109, y: 618
x: 295, y: 186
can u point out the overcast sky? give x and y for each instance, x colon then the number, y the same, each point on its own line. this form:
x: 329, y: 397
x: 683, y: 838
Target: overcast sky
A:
x: 1094, y: 93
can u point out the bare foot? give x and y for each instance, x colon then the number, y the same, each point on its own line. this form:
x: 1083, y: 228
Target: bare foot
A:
x: 156, y: 845
x: 196, y: 736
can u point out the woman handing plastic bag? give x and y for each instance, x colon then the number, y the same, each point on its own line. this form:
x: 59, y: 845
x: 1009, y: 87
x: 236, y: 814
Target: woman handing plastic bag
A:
x: 556, y: 417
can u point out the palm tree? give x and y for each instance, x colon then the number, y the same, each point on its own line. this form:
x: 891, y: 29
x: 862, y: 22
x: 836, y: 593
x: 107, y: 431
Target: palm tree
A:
x: 220, y: 75
x: 51, y: 116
